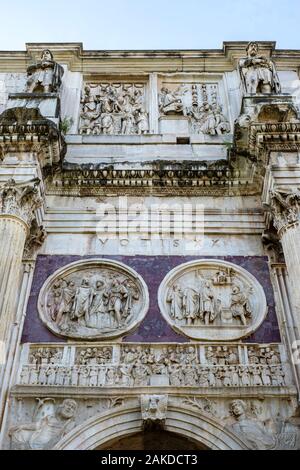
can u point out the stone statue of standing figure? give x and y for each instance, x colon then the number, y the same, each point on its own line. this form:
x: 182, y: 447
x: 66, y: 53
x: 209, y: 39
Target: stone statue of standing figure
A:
x: 258, y: 73
x: 44, y: 76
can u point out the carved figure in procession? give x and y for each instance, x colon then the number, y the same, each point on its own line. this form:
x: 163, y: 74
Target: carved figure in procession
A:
x: 208, y: 308
x: 82, y: 302
x: 98, y: 316
x: 190, y: 305
x: 240, y: 306
x: 116, y: 297
x: 258, y: 73
x: 175, y: 299
x: 46, y: 431
x: 44, y: 76
x: 141, y: 118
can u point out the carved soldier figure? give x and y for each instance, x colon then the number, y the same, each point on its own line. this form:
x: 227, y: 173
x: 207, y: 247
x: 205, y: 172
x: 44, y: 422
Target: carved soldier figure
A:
x: 203, y: 374
x: 208, y: 304
x: 99, y: 317
x: 44, y: 76
x: 240, y: 306
x: 65, y: 307
x: 141, y: 119
x: 51, y: 375
x: 231, y: 358
x: 174, y: 297
x: 234, y: 376
x: 75, y: 375
x: 245, y: 376
x: 190, y: 375
x: 24, y: 375
x: 256, y: 373
x: 93, y: 377
x: 116, y: 295
x: 266, y: 376
x: 211, y: 377
x: 190, y: 305
x: 258, y: 73
x: 176, y: 375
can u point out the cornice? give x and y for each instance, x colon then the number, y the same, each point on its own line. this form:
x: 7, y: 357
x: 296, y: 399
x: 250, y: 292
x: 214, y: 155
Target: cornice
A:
x: 145, y: 61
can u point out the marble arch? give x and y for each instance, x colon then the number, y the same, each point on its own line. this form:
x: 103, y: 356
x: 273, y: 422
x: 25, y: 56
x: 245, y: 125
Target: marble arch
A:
x: 124, y: 421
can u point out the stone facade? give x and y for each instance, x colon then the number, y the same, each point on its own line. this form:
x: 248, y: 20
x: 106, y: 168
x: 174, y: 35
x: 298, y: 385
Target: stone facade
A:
x: 149, y: 225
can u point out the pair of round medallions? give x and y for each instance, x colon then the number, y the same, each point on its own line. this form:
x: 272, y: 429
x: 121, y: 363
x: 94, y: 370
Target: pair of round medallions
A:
x: 104, y: 299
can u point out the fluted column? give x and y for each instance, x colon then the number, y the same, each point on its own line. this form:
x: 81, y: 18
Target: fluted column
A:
x: 285, y: 211
x: 18, y: 202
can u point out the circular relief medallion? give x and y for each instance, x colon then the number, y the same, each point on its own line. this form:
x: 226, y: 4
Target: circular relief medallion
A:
x: 212, y: 300
x: 94, y: 299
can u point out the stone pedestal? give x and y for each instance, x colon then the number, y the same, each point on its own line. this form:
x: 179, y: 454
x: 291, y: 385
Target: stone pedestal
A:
x: 47, y: 103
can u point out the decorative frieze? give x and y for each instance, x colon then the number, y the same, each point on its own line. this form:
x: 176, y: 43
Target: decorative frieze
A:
x: 131, y: 365
x: 212, y: 300
x: 114, y: 108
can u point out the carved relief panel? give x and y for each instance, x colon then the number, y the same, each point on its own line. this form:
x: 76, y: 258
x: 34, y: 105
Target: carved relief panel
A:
x: 212, y: 300
x: 154, y: 364
x: 114, y: 108
x: 191, y: 107
x: 93, y: 299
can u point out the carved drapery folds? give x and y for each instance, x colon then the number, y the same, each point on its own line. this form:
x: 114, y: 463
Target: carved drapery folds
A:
x: 50, y: 423
x: 284, y: 208
x: 258, y: 73
x: 114, y: 108
x: 93, y: 299
x: 45, y: 75
x: 259, y: 434
x: 212, y: 300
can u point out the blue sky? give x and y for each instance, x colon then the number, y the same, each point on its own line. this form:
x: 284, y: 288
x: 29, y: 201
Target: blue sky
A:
x: 151, y: 24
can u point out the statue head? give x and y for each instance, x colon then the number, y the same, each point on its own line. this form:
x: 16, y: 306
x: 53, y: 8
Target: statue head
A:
x: 46, y: 55
x: 99, y: 284
x: 67, y: 409
x: 237, y: 408
x: 236, y: 289
x: 252, y: 49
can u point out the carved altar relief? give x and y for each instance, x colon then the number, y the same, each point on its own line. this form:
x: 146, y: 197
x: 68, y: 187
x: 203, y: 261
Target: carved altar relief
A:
x: 93, y: 299
x: 198, y: 103
x: 113, y: 108
x: 212, y: 300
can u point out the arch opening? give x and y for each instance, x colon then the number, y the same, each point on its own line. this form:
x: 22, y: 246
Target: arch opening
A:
x: 156, y: 439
